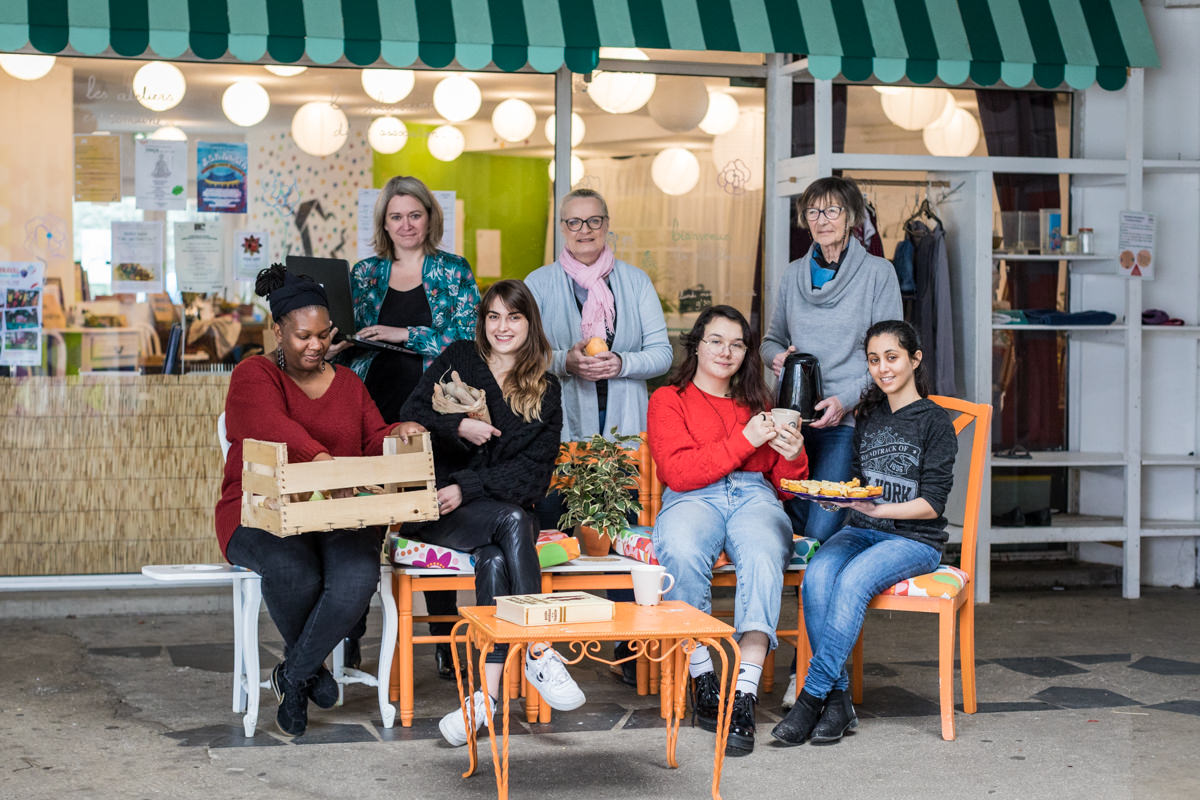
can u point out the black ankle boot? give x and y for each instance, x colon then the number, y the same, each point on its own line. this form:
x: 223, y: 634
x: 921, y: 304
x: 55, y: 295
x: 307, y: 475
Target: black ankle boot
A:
x: 352, y: 655
x: 836, y: 720
x: 741, y: 725
x: 798, y: 725
x: 706, y: 695
x: 443, y: 659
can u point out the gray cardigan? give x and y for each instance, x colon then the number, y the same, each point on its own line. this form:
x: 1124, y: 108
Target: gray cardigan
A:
x: 640, y: 340
x: 831, y: 322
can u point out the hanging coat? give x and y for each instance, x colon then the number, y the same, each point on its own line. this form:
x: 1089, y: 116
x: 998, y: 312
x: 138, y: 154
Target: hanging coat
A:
x: 933, y: 310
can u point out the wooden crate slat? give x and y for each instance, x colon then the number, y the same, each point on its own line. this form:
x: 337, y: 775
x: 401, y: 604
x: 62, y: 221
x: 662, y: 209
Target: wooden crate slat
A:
x: 347, y: 473
x: 265, y: 485
x: 355, y: 512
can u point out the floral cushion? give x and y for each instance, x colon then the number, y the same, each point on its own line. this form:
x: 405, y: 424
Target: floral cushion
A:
x: 945, y: 582
x: 411, y: 553
x: 803, y: 549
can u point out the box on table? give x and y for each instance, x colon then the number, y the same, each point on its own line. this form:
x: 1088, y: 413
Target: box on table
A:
x: 404, y: 471
x: 553, y: 608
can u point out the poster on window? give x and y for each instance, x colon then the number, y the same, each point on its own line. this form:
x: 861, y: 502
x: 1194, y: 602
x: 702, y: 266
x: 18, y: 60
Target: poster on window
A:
x: 1135, y: 244
x: 21, y: 287
x: 137, y: 257
x: 198, y: 263
x: 251, y: 254
x: 160, y: 175
x: 221, y: 177
x: 449, y: 213
x: 366, y: 222
x: 97, y: 168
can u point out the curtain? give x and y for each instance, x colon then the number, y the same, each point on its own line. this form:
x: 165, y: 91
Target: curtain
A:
x: 1029, y: 396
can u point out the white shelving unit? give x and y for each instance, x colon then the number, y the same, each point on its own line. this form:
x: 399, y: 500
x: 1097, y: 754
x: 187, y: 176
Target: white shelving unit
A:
x: 1105, y: 415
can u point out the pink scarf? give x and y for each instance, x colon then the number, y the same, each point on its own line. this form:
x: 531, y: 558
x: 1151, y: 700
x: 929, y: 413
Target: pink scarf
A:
x: 599, y: 311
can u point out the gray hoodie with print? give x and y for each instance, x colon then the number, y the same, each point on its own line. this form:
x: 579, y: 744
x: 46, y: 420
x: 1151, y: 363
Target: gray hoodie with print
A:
x: 830, y: 322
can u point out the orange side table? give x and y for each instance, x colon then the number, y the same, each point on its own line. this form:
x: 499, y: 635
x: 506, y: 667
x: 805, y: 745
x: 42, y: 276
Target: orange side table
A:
x: 666, y: 633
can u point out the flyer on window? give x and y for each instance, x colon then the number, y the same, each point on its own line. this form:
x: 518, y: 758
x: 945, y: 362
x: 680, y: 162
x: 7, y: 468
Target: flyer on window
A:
x: 1135, y: 244
x: 449, y: 215
x: 21, y: 286
x: 97, y: 168
x: 198, y: 263
x: 137, y: 257
x: 251, y: 253
x: 221, y: 177
x: 160, y: 175
x: 366, y: 222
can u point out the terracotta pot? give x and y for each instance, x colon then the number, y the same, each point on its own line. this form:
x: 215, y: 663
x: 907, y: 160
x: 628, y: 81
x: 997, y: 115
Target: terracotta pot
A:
x: 592, y: 542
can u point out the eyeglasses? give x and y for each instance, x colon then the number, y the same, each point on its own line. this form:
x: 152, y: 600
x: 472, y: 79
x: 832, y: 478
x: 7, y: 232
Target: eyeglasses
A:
x: 831, y: 213
x: 719, y: 345
x: 593, y: 223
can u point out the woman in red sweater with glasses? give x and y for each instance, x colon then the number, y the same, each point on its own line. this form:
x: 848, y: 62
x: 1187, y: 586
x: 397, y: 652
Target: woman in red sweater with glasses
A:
x: 721, y: 457
x: 316, y: 585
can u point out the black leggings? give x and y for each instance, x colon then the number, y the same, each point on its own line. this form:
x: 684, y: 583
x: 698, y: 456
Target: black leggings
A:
x: 502, y: 537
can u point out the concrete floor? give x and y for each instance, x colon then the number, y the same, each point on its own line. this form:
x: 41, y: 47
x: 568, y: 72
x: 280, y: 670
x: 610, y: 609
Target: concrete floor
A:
x: 1082, y: 695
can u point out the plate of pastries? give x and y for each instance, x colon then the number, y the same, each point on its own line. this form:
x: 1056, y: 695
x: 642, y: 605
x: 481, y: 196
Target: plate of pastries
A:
x: 836, y: 492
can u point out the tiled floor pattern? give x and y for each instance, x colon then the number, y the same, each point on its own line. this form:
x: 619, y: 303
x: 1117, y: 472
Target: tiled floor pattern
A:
x: 880, y: 698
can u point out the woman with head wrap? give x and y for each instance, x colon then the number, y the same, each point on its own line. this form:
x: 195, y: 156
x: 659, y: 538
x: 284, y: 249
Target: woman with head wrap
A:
x: 316, y: 585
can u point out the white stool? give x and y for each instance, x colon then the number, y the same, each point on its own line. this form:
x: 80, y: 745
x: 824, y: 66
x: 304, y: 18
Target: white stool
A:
x: 247, y: 602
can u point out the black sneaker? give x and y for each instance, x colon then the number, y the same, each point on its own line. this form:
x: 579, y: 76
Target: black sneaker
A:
x: 292, y: 717
x: 323, y: 689
x: 741, y: 725
x: 706, y: 696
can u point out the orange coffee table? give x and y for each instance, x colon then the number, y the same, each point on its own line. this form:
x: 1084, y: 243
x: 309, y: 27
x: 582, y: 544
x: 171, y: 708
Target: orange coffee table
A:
x: 666, y: 633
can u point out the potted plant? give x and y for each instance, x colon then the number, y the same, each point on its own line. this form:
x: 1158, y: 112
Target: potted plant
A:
x: 596, y: 478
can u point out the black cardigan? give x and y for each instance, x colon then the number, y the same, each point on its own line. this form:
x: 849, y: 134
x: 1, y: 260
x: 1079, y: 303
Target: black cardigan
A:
x: 513, y: 468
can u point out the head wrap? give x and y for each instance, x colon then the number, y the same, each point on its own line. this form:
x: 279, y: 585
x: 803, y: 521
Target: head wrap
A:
x: 298, y: 291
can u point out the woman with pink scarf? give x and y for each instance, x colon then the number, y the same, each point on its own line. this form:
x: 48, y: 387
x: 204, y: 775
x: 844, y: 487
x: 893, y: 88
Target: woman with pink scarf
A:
x: 588, y: 294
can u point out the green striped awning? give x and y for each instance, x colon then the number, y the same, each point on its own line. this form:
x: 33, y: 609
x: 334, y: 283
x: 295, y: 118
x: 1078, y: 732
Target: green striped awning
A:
x: 1048, y: 42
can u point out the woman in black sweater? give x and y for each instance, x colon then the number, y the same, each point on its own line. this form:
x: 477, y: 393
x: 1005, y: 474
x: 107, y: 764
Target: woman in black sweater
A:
x: 489, y: 475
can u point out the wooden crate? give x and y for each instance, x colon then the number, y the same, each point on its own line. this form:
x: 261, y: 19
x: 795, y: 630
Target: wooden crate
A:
x: 404, y: 470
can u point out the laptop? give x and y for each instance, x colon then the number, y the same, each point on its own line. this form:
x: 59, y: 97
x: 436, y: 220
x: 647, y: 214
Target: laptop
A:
x: 334, y: 275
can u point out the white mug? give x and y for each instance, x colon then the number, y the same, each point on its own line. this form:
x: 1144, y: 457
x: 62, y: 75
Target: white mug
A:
x: 648, y: 581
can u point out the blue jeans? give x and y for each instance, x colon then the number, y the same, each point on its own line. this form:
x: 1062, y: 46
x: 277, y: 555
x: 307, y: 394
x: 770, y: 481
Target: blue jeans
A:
x: 316, y: 586
x: 846, y: 573
x: 741, y: 515
x: 830, y: 458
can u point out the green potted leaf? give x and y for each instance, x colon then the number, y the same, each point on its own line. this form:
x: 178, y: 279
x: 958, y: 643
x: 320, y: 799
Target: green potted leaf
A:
x: 596, y: 479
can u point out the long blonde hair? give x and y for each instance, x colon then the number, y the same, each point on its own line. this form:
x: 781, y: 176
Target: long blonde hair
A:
x: 526, y: 382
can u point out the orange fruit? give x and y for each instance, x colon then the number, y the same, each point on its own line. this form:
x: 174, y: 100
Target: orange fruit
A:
x: 595, y: 345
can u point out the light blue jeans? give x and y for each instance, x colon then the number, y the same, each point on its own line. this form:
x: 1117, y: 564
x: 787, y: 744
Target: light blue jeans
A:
x: 848, y: 570
x: 741, y: 515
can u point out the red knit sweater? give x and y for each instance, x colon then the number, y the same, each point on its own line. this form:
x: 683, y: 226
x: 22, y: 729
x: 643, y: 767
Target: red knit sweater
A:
x: 696, y: 438
x: 264, y: 403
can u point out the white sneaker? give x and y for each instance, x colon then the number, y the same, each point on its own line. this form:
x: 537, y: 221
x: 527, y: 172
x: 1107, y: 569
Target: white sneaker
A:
x: 549, y: 676
x: 454, y: 730
x: 789, y: 697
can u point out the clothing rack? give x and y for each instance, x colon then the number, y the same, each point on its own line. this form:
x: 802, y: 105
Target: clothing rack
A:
x: 900, y: 182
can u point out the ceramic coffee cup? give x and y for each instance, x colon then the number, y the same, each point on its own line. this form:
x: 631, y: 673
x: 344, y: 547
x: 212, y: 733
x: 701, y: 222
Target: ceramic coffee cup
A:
x: 648, y: 580
x: 786, y: 417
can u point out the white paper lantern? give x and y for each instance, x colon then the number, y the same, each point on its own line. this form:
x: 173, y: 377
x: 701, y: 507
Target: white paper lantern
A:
x: 320, y: 128
x: 388, y: 85
x: 577, y: 128
x: 24, y: 66
x: 159, y: 85
x: 457, y: 98
x: 576, y: 169
x: 890, y: 89
x: 957, y: 137
x: 245, y: 103
x: 722, y: 114
x: 675, y: 171
x: 284, y: 71
x: 913, y: 109
x: 679, y: 102
x: 387, y: 135
x: 446, y: 143
x: 738, y: 154
x: 169, y: 133
x: 621, y: 92
x: 514, y: 120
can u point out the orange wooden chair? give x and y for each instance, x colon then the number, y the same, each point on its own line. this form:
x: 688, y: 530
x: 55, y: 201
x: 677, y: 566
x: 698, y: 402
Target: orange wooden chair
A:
x: 948, y: 592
